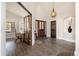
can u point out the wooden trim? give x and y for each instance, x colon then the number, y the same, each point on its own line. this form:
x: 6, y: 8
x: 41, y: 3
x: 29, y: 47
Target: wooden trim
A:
x: 51, y: 27
x: 24, y: 7
x: 40, y: 26
x: 28, y: 34
x: 41, y: 20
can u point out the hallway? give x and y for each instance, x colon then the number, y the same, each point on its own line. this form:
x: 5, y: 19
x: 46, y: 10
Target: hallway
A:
x: 34, y: 20
x: 42, y: 47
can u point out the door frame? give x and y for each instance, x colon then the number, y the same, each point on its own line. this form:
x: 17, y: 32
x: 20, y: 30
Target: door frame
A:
x: 51, y: 28
x: 36, y: 34
x: 30, y: 32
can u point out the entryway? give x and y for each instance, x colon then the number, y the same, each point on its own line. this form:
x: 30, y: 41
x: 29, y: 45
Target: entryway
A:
x: 40, y: 28
x: 53, y: 29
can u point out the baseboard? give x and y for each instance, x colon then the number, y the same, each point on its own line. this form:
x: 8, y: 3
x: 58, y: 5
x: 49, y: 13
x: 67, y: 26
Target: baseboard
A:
x: 66, y: 39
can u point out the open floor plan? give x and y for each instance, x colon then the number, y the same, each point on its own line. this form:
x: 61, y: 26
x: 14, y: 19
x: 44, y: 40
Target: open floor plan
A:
x: 39, y: 28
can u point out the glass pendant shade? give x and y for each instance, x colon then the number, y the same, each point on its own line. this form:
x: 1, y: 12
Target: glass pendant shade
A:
x: 53, y: 14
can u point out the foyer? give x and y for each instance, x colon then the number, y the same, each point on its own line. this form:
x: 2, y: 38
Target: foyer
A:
x: 32, y: 31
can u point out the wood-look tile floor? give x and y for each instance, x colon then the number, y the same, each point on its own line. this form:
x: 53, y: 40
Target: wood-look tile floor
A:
x: 42, y: 47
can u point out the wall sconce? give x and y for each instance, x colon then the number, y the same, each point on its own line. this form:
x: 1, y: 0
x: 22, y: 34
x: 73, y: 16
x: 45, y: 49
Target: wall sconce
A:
x: 70, y: 23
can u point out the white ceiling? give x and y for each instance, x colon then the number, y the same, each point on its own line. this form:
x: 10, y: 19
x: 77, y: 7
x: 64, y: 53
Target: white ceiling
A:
x: 42, y: 8
x: 16, y: 9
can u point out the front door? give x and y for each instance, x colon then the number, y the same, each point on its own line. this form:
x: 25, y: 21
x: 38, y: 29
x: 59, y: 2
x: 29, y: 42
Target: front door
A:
x: 41, y: 28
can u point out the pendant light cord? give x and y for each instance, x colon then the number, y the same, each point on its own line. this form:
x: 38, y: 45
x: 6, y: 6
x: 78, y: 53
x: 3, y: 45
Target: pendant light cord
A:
x: 53, y: 6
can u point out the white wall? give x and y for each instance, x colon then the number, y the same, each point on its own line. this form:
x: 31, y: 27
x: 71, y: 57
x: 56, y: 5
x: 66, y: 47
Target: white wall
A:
x: 2, y: 29
x: 65, y: 10
x: 21, y: 25
x: 77, y: 30
x: 62, y: 29
x: 10, y: 17
x: 66, y: 35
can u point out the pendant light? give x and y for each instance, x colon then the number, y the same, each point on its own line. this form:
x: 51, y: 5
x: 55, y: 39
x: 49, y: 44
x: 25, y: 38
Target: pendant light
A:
x: 53, y: 14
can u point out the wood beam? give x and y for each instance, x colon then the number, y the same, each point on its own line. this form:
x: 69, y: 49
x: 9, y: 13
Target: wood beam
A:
x: 24, y: 7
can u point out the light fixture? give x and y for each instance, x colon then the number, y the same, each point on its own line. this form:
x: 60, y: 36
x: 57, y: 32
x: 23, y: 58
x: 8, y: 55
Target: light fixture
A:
x: 53, y: 14
x: 70, y: 23
x: 70, y: 20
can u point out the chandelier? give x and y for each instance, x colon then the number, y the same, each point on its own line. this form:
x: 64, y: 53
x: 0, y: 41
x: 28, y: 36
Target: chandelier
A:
x: 53, y: 14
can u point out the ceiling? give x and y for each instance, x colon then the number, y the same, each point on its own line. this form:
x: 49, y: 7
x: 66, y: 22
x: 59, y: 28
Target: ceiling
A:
x: 42, y: 8
x: 15, y: 8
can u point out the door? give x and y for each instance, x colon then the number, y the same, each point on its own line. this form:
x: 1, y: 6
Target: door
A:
x: 41, y: 28
x: 28, y: 29
x: 53, y: 29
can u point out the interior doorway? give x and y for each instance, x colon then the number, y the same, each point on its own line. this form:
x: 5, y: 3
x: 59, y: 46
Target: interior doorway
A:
x: 40, y: 28
x: 28, y: 29
x: 53, y: 29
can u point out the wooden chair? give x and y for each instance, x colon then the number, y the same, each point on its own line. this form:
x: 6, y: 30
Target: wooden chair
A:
x: 20, y: 36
